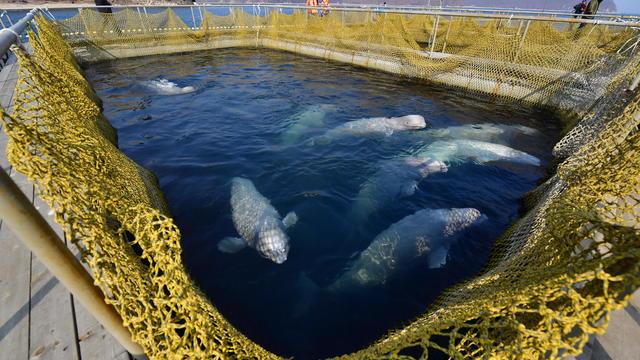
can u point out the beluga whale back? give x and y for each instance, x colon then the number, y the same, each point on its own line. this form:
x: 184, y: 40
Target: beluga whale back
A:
x: 371, y: 126
x: 427, y: 232
x: 258, y: 223
x: 302, y: 122
x: 393, y: 180
x: 482, y: 132
x: 166, y: 87
x: 478, y: 151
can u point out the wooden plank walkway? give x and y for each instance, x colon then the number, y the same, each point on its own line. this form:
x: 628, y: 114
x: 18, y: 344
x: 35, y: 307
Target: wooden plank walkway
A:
x: 39, y: 318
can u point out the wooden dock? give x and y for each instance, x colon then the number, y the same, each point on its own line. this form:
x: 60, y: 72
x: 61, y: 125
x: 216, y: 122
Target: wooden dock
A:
x: 39, y: 318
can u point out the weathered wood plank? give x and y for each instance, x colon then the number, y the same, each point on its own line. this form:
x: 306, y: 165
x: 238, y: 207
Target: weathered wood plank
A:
x: 620, y: 341
x: 15, y: 258
x: 15, y: 274
x: 95, y: 342
x: 60, y: 326
x: 9, y: 70
x: 635, y: 300
x: 53, y: 332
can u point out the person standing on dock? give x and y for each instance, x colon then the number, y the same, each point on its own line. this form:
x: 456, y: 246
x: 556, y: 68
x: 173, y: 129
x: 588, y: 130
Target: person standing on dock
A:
x: 579, y: 8
x: 108, y: 23
x: 104, y: 10
x: 312, y: 3
x: 591, y: 10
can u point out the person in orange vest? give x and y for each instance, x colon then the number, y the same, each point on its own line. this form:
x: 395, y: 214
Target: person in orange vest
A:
x: 324, y: 3
x: 312, y: 3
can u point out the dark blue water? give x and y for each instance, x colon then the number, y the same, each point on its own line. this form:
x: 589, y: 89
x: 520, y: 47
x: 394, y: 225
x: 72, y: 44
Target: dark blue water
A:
x: 232, y: 125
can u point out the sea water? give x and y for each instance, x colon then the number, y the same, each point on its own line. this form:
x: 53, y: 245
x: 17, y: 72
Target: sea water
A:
x: 231, y: 125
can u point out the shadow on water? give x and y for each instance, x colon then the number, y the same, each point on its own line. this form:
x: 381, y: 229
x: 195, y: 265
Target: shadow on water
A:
x: 232, y: 125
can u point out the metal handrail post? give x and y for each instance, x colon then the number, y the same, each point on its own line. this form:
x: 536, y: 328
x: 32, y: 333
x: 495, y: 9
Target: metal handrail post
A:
x: 144, y: 28
x: 446, y: 37
x: 10, y: 35
x: 435, y: 34
x: 193, y: 18
x: 521, y: 43
x: 26, y: 222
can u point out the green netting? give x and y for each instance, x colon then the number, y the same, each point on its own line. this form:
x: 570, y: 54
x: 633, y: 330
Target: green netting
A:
x: 554, y: 276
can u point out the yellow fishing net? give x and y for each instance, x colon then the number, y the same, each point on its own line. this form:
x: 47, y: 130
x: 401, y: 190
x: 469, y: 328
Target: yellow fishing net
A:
x: 554, y: 276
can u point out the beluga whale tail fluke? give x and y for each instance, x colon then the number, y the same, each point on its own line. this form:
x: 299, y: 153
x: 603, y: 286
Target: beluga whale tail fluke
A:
x: 258, y: 223
x: 428, y: 234
x: 372, y: 126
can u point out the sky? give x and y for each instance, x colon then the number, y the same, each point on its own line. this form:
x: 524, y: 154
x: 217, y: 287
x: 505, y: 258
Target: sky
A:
x: 631, y: 6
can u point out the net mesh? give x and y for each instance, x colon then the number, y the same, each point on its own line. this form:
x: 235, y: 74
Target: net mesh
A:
x: 554, y: 276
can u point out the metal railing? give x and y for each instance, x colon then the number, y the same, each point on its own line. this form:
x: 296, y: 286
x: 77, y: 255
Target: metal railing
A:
x: 632, y: 21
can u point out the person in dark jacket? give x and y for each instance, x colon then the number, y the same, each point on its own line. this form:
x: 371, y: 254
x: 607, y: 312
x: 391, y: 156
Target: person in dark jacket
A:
x: 105, y: 10
x: 108, y: 22
x: 579, y: 8
x: 591, y: 10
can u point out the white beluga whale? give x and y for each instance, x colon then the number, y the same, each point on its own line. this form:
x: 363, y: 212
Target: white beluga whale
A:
x: 301, y: 123
x: 482, y: 132
x: 257, y: 222
x: 166, y: 87
x: 427, y: 233
x: 394, y: 179
x: 478, y: 151
x: 372, y: 126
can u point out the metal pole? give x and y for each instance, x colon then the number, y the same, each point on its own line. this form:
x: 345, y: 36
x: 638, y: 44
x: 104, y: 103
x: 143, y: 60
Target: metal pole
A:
x: 635, y: 83
x: 10, y: 35
x: 524, y: 35
x: 25, y: 221
x: 435, y: 34
x: 193, y: 18
x: 144, y: 28
x: 146, y: 15
x: 81, y: 13
x: 446, y: 37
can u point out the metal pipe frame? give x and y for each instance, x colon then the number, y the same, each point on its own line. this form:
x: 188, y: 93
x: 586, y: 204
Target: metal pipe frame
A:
x: 407, y: 11
x: 11, y: 35
x: 489, y: 10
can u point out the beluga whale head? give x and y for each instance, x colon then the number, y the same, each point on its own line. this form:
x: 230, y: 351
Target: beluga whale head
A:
x: 273, y: 242
x: 407, y: 122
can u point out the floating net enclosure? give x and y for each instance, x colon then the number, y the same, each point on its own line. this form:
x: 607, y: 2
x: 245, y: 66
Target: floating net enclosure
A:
x: 553, y: 277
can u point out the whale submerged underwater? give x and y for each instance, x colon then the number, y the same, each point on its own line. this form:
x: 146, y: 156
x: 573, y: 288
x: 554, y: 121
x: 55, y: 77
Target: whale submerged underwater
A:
x: 371, y: 126
x: 305, y: 121
x: 394, y: 179
x: 258, y: 223
x: 482, y: 132
x: 479, y: 151
x: 427, y: 233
